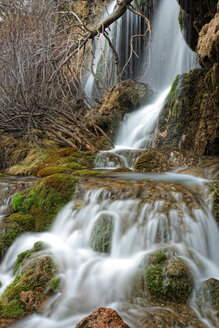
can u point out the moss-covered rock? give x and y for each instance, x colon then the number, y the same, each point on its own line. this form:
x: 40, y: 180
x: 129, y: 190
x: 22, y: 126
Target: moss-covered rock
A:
x: 207, y: 299
x: 37, y: 210
x: 29, y: 288
x: 164, y: 159
x: 101, y: 234
x: 162, y: 278
x: 189, y: 119
x: 168, y: 279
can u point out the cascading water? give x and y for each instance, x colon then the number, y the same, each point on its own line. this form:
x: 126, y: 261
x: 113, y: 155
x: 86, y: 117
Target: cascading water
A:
x: 120, y: 33
x: 141, y: 226
x: 169, y: 56
x: 172, y: 213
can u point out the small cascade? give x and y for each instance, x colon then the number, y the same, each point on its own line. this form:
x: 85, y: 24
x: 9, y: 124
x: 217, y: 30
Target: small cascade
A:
x: 138, y: 130
x: 140, y: 226
x: 136, y: 133
x: 5, y: 198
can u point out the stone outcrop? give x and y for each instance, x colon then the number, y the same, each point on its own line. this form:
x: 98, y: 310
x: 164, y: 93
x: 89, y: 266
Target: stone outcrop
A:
x: 102, y: 318
x: 189, y: 119
x: 193, y: 16
x: 208, y: 51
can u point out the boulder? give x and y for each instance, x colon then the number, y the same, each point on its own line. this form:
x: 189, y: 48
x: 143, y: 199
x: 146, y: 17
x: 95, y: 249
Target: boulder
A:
x: 167, y: 279
x: 102, y: 318
x: 101, y: 234
x: 207, y: 299
x: 189, y: 119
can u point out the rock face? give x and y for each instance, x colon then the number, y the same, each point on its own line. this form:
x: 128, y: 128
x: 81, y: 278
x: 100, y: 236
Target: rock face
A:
x: 189, y: 119
x: 123, y: 98
x: 193, y: 16
x: 102, y: 318
x: 208, y: 51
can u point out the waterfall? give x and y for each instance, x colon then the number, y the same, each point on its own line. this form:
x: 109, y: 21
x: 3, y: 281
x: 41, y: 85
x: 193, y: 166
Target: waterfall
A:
x: 120, y: 33
x: 168, y: 56
x: 146, y: 213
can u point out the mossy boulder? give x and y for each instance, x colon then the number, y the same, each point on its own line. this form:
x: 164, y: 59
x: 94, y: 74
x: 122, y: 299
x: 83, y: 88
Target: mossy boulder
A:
x: 164, y: 159
x: 189, y: 119
x: 168, y: 279
x: 207, y: 299
x: 101, y: 234
x: 123, y: 98
x: 162, y: 278
x: 30, y: 286
x: 36, y: 210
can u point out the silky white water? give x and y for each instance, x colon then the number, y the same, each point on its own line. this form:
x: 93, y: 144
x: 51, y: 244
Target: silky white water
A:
x: 169, y: 55
x: 141, y: 225
x: 91, y: 279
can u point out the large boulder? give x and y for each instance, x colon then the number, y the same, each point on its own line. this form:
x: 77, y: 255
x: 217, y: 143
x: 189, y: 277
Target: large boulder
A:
x: 189, y: 119
x: 102, y: 318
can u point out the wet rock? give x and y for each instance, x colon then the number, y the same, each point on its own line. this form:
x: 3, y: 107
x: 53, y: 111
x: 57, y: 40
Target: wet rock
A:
x: 207, y: 299
x: 123, y: 98
x: 101, y: 234
x: 189, y: 119
x: 30, y: 286
x: 164, y: 159
x: 168, y: 316
x: 102, y: 318
x: 31, y: 299
x: 166, y: 279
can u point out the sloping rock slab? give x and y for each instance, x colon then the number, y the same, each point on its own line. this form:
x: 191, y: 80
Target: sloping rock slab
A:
x: 102, y: 318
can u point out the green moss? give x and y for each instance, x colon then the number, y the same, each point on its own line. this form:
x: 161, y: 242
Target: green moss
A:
x: 168, y: 280
x: 36, y: 275
x: 24, y: 221
x: 55, y: 283
x: 83, y: 173
x: 50, y: 171
x: 38, y: 246
x: 44, y: 201
x: 101, y: 234
x: 17, y: 202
